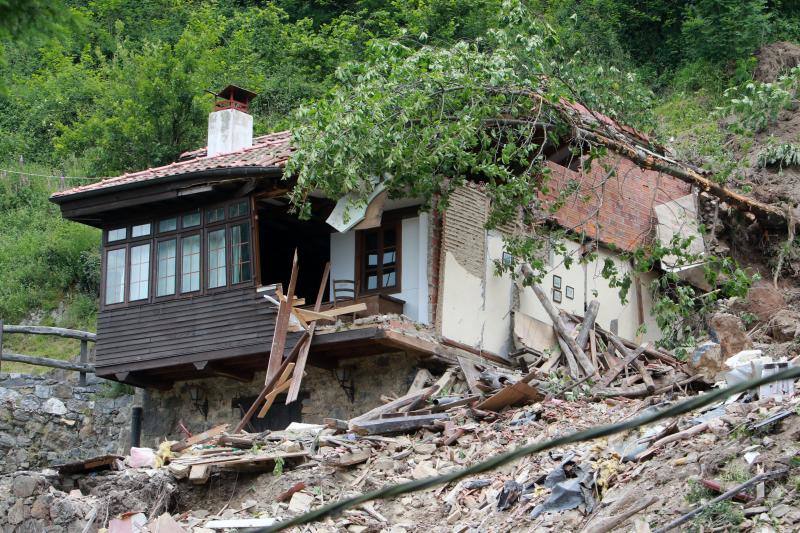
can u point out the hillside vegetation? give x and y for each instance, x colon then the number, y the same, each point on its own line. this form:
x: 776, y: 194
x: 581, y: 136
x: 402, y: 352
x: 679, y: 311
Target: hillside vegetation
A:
x: 96, y: 88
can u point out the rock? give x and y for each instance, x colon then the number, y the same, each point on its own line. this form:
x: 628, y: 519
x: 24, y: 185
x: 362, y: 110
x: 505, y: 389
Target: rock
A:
x: 301, y: 502
x: 17, y: 513
x: 707, y: 362
x: 290, y: 446
x: 784, y: 325
x: 8, y: 395
x: 764, y: 300
x: 780, y: 510
x: 54, y: 406
x: 62, y: 511
x: 423, y: 470
x: 730, y: 334
x: 383, y: 464
x: 41, y: 506
x: 24, y: 486
x: 425, y: 448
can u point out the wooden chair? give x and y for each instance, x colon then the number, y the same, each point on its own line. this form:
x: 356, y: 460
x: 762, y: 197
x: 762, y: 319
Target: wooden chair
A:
x: 343, y: 290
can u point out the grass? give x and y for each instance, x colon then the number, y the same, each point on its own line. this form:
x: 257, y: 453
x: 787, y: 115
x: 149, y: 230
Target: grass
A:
x: 726, y: 514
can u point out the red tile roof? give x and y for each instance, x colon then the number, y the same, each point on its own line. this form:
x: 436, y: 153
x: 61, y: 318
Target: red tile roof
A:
x: 272, y: 150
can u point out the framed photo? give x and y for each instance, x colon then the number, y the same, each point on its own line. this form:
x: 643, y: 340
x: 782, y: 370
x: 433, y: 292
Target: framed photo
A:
x: 508, y: 259
x: 557, y: 296
x: 570, y: 292
x: 556, y: 282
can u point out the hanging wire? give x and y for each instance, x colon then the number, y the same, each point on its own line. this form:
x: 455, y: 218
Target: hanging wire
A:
x: 30, y: 174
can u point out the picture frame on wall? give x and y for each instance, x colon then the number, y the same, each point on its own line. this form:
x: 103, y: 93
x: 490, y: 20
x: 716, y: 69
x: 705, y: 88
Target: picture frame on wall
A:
x: 569, y: 292
x: 556, y: 282
x: 557, y: 296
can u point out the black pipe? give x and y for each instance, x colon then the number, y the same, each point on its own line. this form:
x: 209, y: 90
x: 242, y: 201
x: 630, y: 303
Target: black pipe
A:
x: 136, y: 426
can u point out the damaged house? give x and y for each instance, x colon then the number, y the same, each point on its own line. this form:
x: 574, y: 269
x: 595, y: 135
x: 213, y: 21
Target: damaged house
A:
x: 198, y: 254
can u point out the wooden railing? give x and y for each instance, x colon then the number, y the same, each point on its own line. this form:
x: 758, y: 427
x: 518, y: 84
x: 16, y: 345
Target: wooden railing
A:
x: 82, y: 366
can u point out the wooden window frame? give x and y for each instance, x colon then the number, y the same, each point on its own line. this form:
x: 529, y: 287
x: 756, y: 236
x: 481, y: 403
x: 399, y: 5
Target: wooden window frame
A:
x: 104, y: 280
x: 179, y: 263
x: 154, y: 297
x: 178, y: 235
x: 128, y: 266
x: 397, y: 224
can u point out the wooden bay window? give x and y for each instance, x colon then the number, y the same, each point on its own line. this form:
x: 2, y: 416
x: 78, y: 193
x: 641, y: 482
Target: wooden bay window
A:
x: 187, y: 254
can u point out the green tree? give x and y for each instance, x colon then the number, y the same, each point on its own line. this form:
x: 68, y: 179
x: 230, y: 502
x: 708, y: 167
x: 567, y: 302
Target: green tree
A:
x: 724, y: 30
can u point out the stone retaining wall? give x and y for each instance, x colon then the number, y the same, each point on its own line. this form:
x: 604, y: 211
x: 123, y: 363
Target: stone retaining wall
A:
x: 48, y: 419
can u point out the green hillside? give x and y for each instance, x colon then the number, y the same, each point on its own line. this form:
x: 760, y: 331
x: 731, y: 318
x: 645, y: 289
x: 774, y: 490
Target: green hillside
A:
x: 97, y: 88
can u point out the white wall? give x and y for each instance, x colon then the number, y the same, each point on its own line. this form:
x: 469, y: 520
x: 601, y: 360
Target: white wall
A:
x: 413, y: 267
x: 479, y: 312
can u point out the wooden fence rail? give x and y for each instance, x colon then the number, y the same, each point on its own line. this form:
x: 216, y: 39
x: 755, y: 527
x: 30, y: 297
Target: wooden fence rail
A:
x: 84, y: 336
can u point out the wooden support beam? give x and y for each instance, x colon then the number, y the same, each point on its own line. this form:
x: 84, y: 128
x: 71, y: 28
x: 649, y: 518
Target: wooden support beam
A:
x: 396, y: 425
x: 269, y: 386
x: 587, y: 326
x: 302, y: 357
x: 281, y: 325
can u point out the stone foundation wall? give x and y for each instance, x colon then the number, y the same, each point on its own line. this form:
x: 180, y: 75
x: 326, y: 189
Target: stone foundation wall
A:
x: 48, y: 419
x: 321, y: 396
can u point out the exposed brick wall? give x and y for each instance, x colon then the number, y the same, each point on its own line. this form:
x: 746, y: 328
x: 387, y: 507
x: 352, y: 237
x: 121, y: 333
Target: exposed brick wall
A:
x: 626, y: 200
x: 463, y: 233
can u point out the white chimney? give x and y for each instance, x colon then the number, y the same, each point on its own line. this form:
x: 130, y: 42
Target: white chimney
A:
x: 230, y: 127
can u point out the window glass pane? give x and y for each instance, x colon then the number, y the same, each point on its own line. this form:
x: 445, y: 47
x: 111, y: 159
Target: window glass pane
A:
x: 166, y: 268
x: 371, y: 241
x: 191, y: 220
x: 190, y: 267
x: 372, y: 260
x: 117, y: 234
x: 239, y: 209
x: 115, y: 276
x: 216, y: 258
x: 389, y: 237
x: 215, y: 215
x: 240, y: 253
x: 141, y: 230
x: 372, y: 281
x: 140, y: 272
x: 389, y: 278
x: 168, y: 224
x: 389, y: 257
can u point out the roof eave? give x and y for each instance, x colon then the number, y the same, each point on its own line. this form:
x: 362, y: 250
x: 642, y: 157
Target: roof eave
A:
x: 243, y: 172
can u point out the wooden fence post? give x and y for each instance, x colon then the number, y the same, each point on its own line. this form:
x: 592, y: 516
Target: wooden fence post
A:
x: 84, y: 358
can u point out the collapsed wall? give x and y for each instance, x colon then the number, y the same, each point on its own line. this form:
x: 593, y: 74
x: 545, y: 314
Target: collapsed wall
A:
x: 48, y: 419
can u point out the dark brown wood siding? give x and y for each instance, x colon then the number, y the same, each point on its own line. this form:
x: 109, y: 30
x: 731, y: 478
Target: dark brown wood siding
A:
x: 204, y: 328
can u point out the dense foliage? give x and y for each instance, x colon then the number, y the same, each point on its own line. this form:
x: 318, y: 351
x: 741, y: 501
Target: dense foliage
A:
x: 99, y: 87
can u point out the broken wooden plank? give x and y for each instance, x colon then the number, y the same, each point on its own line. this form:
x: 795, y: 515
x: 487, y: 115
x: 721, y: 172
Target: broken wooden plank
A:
x: 396, y: 425
x: 392, y: 406
x: 240, y: 523
x: 281, y: 325
x: 423, y: 376
x: 269, y: 386
x: 283, y: 384
x: 302, y: 357
x: 104, y: 462
x: 572, y: 364
x: 519, y: 392
x: 335, y: 423
x: 330, y: 314
x: 612, y: 374
x: 471, y: 374
x: 200, y: 438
